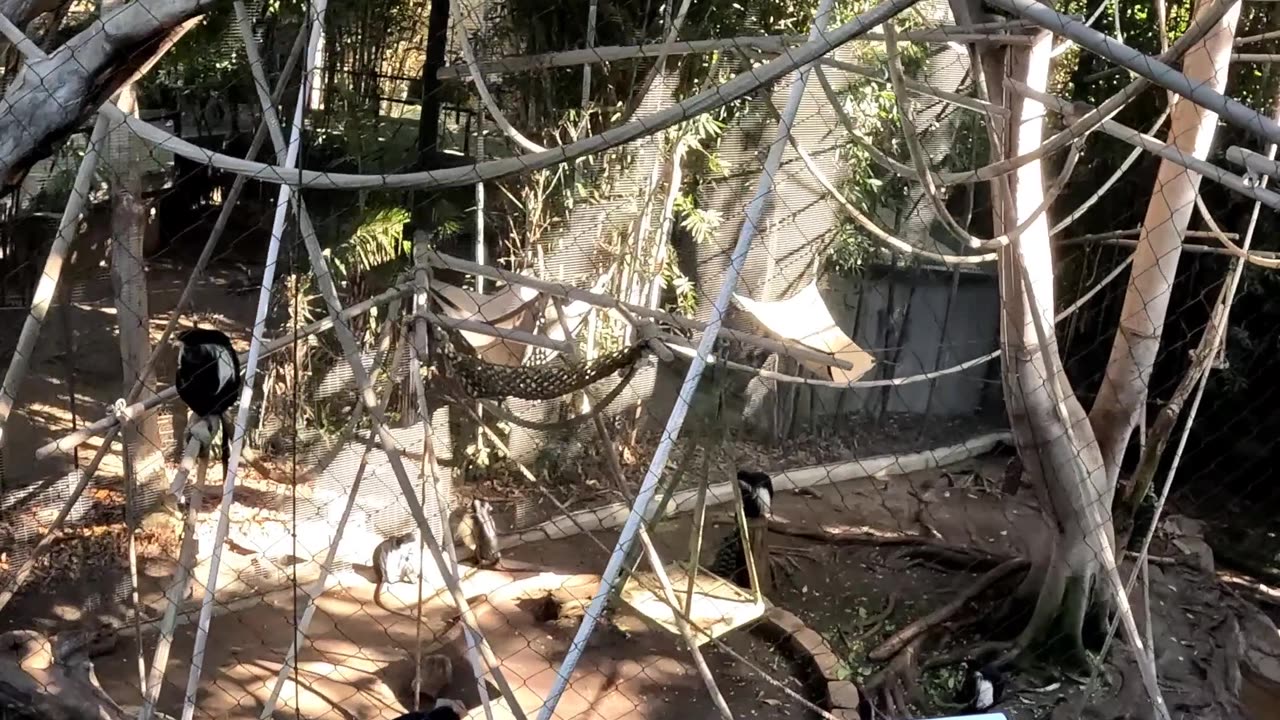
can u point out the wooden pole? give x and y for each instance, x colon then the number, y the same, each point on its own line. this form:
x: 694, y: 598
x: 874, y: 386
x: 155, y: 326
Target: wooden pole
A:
x: 668, y: 594
x: 177, y: 592
x: 48, y: 285
x: 131, y: 412
x: 996, y: 32
x: 429, y: 119
x: 317, y: 588
x: 351, y: 352
x: 129, y: 280
x: 255, y: 356
x: 422, y: 342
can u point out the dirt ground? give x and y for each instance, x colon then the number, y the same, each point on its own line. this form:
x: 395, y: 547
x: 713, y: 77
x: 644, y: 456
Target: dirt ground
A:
x: 357, y: 662
x: 843, y: 592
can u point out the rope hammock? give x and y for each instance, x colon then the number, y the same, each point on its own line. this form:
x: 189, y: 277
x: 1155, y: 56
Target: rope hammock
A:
x: 480, y: 380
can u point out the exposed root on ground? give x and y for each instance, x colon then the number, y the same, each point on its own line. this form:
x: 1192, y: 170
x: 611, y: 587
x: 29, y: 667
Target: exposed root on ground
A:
x: 895, y: 687
x: 976, y: 651
x: 872, y: 624
x: 783, y: 560
x: 952, y: 558
x: 923, y: 546
x: 904, y: 637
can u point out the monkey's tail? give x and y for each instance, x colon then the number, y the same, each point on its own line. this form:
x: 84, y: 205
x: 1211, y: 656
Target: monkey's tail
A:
x: 227, y: 428
x: 377, y: 598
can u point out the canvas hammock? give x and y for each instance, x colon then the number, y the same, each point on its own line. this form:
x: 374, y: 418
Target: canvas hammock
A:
x: 511, y: 308
x: 804, y: 318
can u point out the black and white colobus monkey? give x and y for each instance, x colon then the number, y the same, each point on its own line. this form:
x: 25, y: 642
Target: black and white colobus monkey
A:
x: 445, y: 709
x: 209, y: 380
x: 982, y: 689
x: 393, y: 562
x: 757, y: 501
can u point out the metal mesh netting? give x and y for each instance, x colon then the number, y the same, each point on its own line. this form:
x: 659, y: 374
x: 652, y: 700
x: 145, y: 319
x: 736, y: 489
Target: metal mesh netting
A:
x: 627, y: 359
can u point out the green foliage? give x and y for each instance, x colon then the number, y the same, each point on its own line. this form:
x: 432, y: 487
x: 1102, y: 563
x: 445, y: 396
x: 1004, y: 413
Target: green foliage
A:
x: 699, y: 223
x: 941, y: 686
x: 686, y: 293
x: 381, y: 42
x: 64, y: 166
x: 700, y: 137
x: 876, y: 191
x: 482, y: 456
x: 377, y: 242
x: 208, y: 62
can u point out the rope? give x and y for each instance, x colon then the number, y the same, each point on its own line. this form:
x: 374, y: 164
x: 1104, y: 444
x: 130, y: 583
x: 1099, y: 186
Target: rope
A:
x: 675, y: 421
x: 589, y: 533
x: 671, y: 344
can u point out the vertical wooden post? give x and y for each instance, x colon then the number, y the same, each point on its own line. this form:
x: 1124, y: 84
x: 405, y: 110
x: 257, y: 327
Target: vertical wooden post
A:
x: 429, y: 120
x: 129, y: 281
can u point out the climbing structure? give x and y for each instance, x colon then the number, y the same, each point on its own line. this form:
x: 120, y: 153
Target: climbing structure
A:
x: 435, y: 339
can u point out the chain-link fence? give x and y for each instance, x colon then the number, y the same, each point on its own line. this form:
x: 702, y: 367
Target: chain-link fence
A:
x: 627, y: 359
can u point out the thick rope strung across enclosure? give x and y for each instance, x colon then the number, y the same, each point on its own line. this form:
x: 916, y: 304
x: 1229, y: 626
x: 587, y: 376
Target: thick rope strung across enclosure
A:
x: 675, y: 421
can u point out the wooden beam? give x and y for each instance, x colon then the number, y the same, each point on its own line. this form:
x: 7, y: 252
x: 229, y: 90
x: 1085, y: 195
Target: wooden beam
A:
x: 133, y: 315
x: 135, y: 410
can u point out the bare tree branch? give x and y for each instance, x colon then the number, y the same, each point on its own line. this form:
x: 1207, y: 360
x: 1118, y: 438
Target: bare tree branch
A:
x: 54, y: 95
x: 21, y: 12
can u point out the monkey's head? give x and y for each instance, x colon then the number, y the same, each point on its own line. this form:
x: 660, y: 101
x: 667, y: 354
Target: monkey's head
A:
x: 202, y: 336
x: 757, y: 493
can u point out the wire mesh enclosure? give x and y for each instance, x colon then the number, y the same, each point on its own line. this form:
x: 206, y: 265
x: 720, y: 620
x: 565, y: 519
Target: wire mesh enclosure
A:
x: 422, y: 359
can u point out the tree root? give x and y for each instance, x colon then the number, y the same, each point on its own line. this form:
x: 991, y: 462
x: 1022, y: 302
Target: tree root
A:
x: 872, y: 625
x: 962, y: 556
x: 895, y: 686
x: 907, y: 635
x: 953, y: 558
x: 976, y: 651
x: 787, y: 550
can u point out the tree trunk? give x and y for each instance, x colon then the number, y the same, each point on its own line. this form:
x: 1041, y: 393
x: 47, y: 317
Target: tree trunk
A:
x: 51, y: 97
x: 52, y: 678
x: 22, y: 12
x: 1155, y: 262
x: 1049, y: 425
x: 129, y: 279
